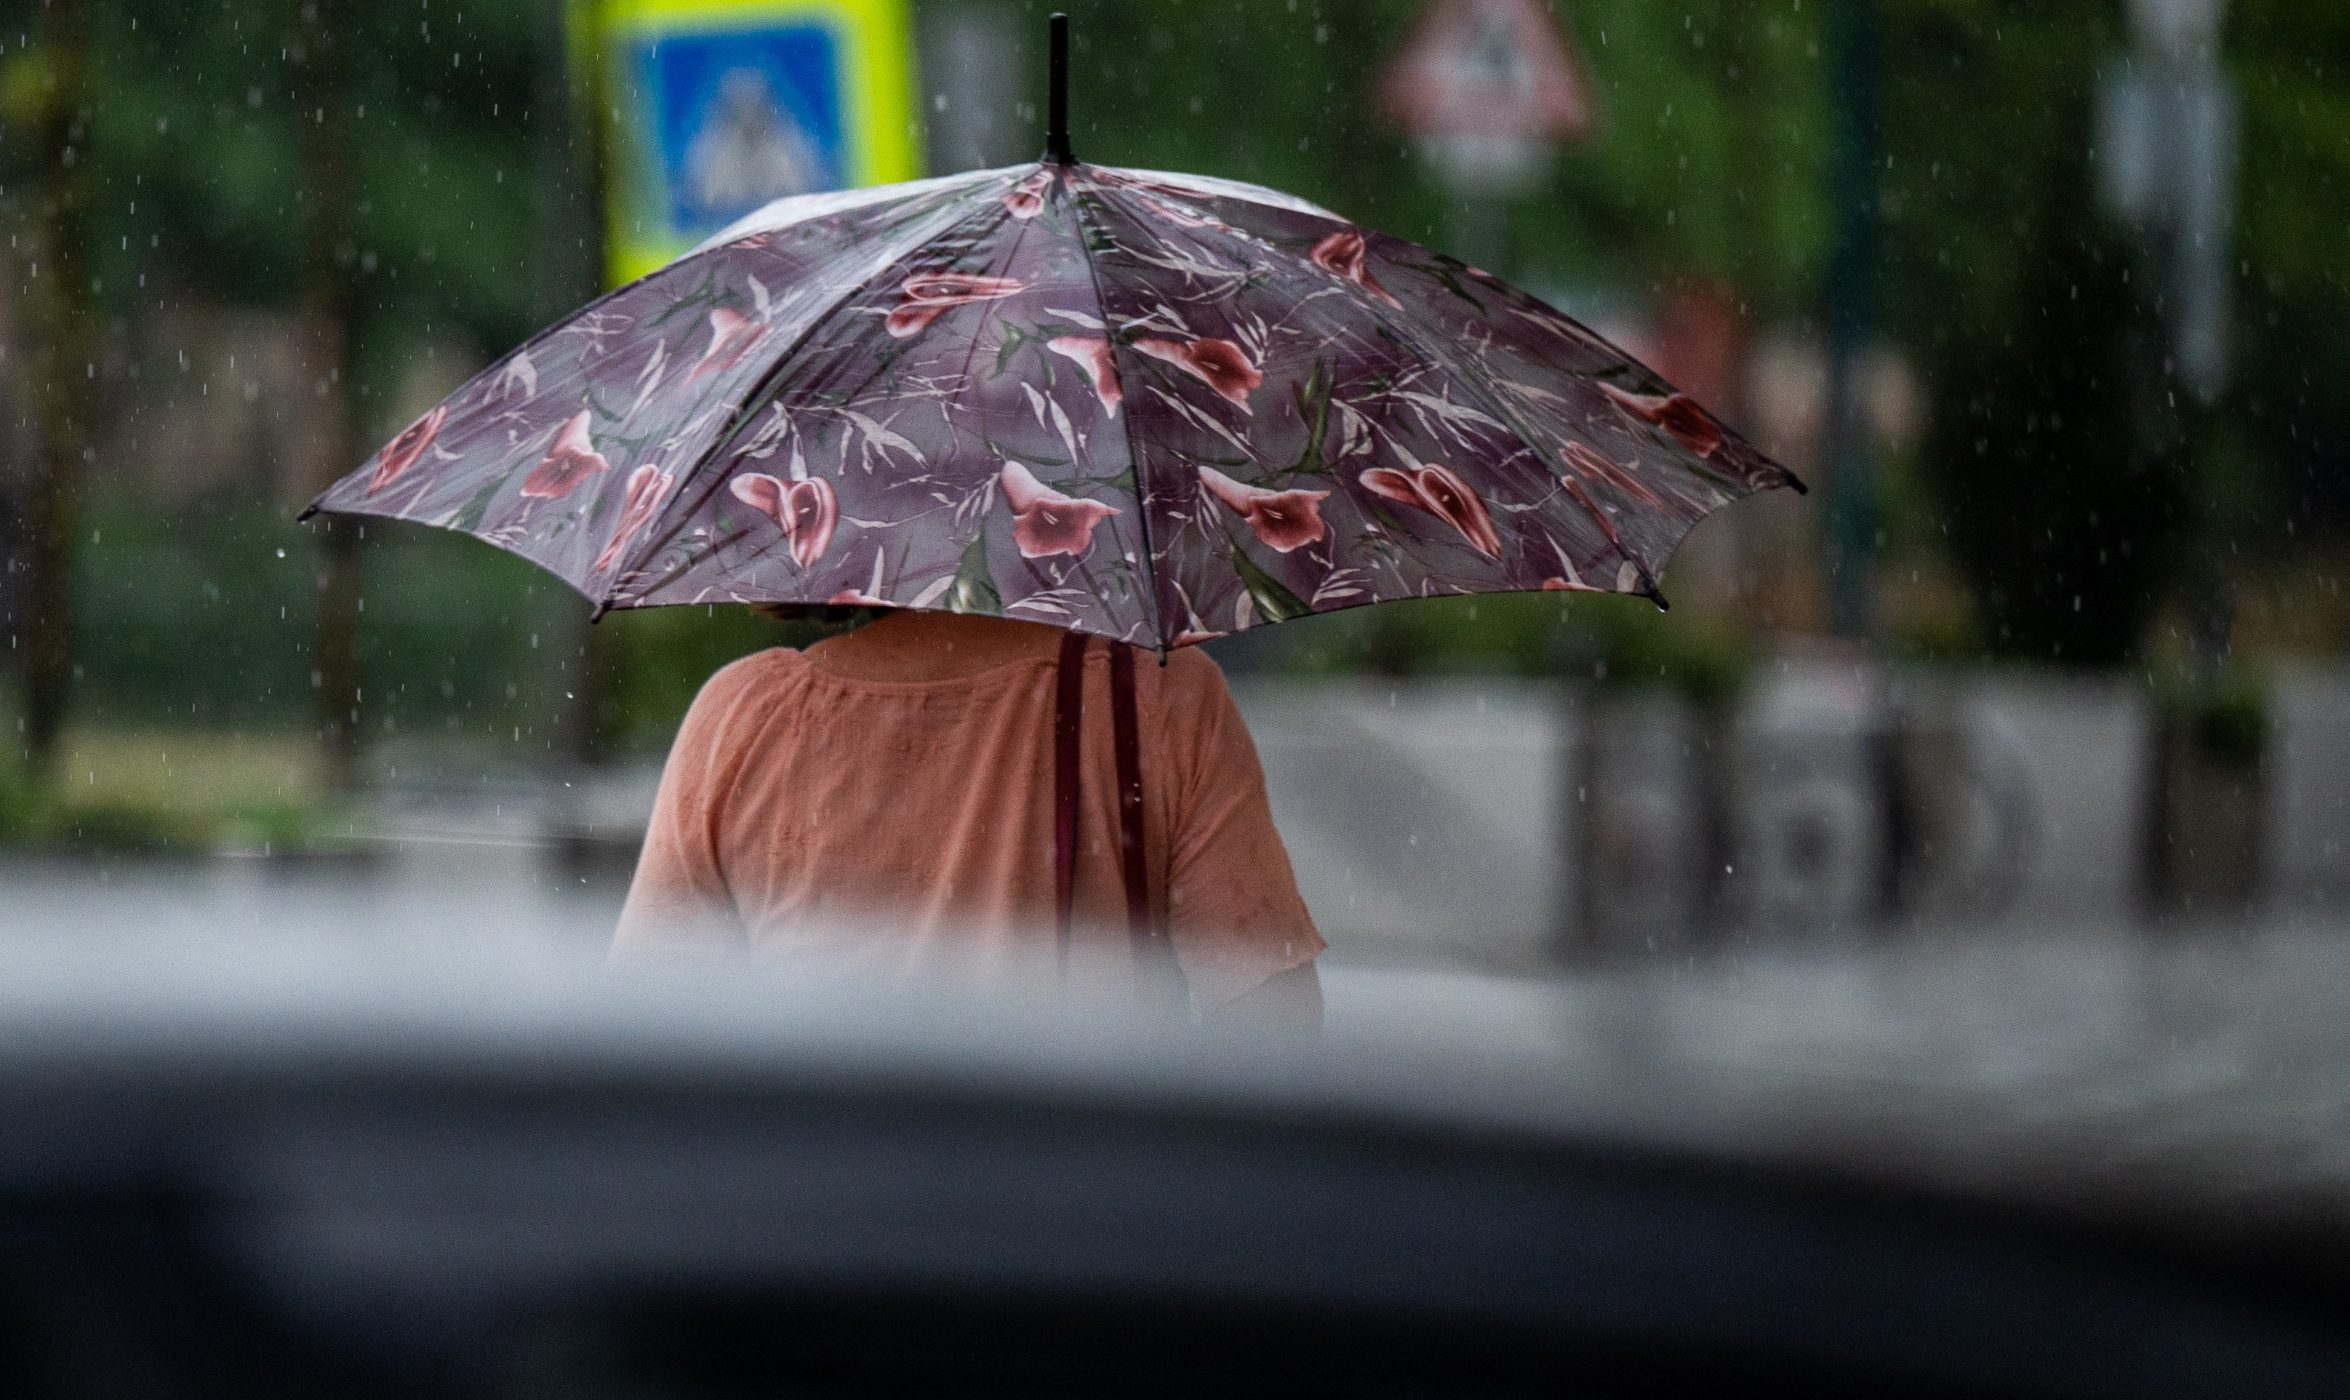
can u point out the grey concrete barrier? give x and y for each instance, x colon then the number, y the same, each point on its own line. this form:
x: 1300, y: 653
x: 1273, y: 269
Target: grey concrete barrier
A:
x: 1805, y: 800
x: 1648, y: 847
x: 2305, y: 821
x: 2026, y: 796
x: 1424, y: 818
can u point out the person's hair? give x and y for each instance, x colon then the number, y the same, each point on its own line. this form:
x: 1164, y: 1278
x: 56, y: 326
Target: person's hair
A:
x: 827, y: 618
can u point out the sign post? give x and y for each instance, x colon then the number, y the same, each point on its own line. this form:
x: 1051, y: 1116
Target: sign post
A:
x: 712, y: 108
x: 2166, y: 147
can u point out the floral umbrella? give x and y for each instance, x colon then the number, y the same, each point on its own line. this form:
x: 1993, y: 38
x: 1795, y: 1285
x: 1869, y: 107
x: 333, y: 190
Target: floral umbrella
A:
x: 1158, y: 407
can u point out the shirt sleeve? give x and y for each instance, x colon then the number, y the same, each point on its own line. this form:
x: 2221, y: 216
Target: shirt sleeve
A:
x: 1233, y: 908
x: 679, y: 900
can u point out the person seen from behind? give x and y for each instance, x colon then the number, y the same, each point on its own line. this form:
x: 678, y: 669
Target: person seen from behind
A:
x: 888, y: 802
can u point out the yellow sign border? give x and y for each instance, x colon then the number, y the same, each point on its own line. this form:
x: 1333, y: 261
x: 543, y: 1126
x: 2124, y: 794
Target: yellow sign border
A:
x: 881, y: 116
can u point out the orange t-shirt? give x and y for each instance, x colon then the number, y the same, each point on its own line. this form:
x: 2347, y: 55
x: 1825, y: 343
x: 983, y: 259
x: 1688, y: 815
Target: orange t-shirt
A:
x: 883, y: 803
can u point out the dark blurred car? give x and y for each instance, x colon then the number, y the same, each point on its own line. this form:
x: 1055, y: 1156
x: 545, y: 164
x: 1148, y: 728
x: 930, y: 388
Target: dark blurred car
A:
x: 374, y: 1181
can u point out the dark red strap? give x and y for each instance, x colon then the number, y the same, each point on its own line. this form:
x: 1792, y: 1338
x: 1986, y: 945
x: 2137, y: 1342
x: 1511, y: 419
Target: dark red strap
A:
x: 1068, y: 731
x: 1140, y: 926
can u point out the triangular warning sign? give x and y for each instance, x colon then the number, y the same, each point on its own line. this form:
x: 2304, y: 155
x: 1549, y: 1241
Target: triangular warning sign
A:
x: 1489, y: 68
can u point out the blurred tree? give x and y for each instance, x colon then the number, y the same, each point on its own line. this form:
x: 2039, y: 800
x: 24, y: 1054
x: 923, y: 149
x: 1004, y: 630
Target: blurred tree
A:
x: 1708, y: 162
x: 2292, y: 346
x: 384, y: 205
x: 2062, y: 503
x: 48, y: 99
x: 1710, y: 167
x: 330, y: 310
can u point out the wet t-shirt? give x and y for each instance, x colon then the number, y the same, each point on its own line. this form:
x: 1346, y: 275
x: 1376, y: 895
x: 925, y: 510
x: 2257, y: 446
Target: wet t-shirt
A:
x: 883, y: 804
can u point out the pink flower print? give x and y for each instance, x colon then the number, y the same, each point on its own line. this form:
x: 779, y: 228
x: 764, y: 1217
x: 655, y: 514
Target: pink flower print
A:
x: 866, y: 597
x: 927, y: 297
x: 1192, y: 639
x: 646, y: 487
x: 732, y: 334
x: 1677, y: 414
x: 1026, y: 199
x: 1045, y: 521
x: 1341, y: 255
x: 1219, y: 364
x: 401, y: 452
x: 1440, y: 491
x: 1607, y: 524
x: 806, y: 511
x: 1555, y: 584
x: 1092, y: 355
x: 1593, y: 466
x: 1283, y: 520
x: 570, y: 460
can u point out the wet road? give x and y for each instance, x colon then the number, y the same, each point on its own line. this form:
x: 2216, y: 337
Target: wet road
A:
x: 2079, y: 1055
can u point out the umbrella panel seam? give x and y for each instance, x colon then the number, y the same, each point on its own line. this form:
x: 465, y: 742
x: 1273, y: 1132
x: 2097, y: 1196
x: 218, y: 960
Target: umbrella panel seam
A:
x: 1134, y: 462
x: 765, y: 391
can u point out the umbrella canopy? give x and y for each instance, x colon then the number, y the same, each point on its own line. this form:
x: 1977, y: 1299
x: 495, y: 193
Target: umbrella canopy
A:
x: 1157, y: 407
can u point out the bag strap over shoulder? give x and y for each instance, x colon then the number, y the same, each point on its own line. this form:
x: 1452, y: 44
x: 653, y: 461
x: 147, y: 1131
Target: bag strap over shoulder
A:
x: 1153, y: 951
x: 1068, y: 738
x: 1131, y: 852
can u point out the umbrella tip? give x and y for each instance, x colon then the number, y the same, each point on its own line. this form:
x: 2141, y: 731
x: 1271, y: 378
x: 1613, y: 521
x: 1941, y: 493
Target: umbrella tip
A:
x: 1795, y: 481
x: 597, y: 616
x: 1656, y: 596
x: 1056, y: 130
x: 307, y: 512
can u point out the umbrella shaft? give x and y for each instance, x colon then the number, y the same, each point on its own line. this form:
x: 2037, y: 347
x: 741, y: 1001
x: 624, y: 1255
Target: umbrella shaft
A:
x: 1056, y: 131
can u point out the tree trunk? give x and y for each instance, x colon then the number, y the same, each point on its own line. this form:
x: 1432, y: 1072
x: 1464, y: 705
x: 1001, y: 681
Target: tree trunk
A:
x: 59, y: 381
x: 329, y: 309
x: 568, y: 271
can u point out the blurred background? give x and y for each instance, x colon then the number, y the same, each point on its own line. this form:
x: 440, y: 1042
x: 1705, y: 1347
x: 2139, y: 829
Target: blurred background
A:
x: 2046, y: 301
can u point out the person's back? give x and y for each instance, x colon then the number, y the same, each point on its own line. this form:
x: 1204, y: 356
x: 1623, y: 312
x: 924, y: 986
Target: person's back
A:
x: 884, y: 802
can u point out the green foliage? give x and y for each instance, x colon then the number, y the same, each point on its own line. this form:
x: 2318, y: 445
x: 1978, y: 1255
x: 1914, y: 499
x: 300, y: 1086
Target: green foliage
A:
x: 661, y: 656
x: 2232, y: 725
x: 196, y: 167
x: 2016, y: 297
x: 2223, y: 714
x: 20, y: 805
x: 121, y: 829
x: 203, y: 617
x: 2292, y: 64
x: 1710, y: 163
x: 1619, y: 642
x: 1706, y: 162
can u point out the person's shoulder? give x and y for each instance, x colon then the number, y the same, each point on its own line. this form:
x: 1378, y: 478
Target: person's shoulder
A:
x: 747, y: 679
x: 1191, y: 673
x: 1192, y: 695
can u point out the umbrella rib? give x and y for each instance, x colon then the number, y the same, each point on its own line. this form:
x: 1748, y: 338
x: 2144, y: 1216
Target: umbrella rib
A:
x: 1492, y: 402
x: 768, y: 384
x: 1468, y: 376
x: 1142, y: 495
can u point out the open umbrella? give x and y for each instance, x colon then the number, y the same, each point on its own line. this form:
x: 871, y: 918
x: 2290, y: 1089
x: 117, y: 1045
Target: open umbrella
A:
x: 1156, y: 407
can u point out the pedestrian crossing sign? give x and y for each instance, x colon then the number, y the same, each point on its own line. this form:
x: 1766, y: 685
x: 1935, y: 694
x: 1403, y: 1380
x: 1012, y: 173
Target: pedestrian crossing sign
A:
x: 714, y: 107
